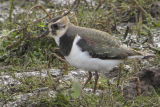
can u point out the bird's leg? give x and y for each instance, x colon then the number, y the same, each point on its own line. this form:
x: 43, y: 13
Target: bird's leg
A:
x: 96, y: 81
x: 88, y: 79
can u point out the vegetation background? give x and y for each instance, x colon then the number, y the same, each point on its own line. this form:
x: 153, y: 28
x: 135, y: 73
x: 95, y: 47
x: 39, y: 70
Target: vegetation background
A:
x: 32, y: 73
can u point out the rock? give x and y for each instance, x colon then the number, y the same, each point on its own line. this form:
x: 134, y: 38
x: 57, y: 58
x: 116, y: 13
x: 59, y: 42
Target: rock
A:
x: 23, y: 99
x: 79, y: 73
x: 4, y: 7
x: 69, y: 2
x: 156, y: 37
x: 63, y: 2
x: 143, y: 84
x: 150, y: 76
x: 43, y: 73
x: 8, y: 80
x: 130, y: 91
x: 55, y: 72
x: 90, y: 90
x: 75, y: 74
x: 4, y: 11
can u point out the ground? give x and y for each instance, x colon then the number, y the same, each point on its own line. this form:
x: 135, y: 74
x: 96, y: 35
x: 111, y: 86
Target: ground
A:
x: 33, y: 73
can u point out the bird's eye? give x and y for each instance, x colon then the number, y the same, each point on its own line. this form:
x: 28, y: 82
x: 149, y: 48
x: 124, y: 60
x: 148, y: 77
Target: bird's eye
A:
x: 63, y: 26
x: 54, y: 26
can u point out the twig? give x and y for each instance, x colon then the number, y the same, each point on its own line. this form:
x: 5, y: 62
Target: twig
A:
x: 100, y: 4
x: 42, y: 8
x: 142, y: 9
x: 43, y: 34
x: 14, y: 44
x: 119, y: 75
x: 26, y: 37
x: 58, y: 57
x: 157, y: 50
x: 139, y: 91
x: 11, y: 10
x: 86, y: 3
x: 74, y: 6
x: 138, y: 85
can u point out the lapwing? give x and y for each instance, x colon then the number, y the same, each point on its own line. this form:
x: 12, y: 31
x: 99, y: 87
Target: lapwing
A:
x: 89, y: 49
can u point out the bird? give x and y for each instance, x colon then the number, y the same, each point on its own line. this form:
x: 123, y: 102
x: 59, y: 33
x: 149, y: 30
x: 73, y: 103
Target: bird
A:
x: 89, y: 49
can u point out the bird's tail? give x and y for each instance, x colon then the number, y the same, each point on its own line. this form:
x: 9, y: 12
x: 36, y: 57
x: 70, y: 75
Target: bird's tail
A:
x: 142, y: 55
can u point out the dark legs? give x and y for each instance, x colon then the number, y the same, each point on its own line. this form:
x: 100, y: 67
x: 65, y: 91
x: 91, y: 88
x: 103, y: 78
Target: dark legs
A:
x: 96, y: 81
x: 89, y: 78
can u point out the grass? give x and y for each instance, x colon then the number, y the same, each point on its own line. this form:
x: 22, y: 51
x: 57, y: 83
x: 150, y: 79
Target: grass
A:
x: 21, y: 51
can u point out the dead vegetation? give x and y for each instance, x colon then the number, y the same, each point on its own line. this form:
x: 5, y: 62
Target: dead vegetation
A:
x: 23, y: 48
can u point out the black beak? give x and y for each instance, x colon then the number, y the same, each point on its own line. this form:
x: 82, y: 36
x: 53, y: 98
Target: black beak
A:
x: 55, y: 19
x: 44, y: 34
x: 59, y: 17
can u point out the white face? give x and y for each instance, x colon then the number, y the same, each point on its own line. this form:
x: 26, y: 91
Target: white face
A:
x: 58, y: 28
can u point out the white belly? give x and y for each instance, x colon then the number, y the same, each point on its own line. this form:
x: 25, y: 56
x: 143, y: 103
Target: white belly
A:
x: 82, y: 60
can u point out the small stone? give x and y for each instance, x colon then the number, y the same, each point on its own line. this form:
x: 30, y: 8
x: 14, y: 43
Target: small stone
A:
x: 55, y: 72
x: 8, y: 80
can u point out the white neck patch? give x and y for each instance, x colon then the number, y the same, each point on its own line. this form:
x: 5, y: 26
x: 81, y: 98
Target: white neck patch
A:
x: 56, y: 38
x: 60, y: 33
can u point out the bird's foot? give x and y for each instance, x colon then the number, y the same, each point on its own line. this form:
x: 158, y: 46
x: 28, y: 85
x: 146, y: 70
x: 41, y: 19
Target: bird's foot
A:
x: 88, y: 79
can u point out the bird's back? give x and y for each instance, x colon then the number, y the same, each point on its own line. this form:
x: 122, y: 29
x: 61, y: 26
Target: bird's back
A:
x: 102, y: 38
x: 100, y: 43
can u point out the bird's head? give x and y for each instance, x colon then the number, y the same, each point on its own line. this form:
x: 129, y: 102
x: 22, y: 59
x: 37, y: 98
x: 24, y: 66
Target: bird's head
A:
x: 58, y: 27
